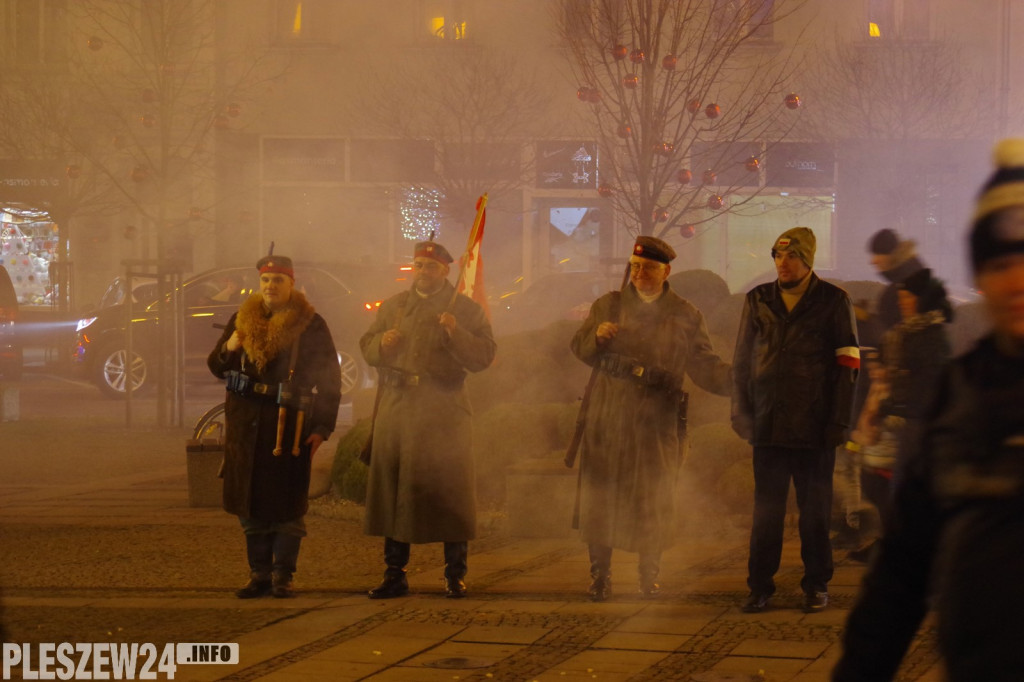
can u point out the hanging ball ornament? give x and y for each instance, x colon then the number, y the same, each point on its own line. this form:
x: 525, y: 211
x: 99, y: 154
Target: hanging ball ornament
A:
x: 95, y: 43
x: 684, y: 175
x: 233, y: 109
x: 605, y: 191
x: 624, y: 131
x: 637, y: 56
x: 195, y: 213
x: 709, y: 177
x: 752, y: 164
x: 661, y: 216
x: 792, y: 101
x: 140, y: 174
x: 687, y: 231
x: 147, y: 120
x: 669, y: 61
x: 619, y: 52
x: 666, y: 148
x: 630, y: 81
x: 715, y: 202
x: 73, y: 171
x: 693, y: 106
x: 712, y: 110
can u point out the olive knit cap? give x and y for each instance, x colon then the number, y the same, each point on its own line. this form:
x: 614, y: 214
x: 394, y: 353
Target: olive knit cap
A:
x: 799, y: 240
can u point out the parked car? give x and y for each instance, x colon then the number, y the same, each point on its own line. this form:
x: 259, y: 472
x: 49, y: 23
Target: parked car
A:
x: 552, y: 298
x: 209, y: 300
x: 11, y: 360
x: 144, y: 291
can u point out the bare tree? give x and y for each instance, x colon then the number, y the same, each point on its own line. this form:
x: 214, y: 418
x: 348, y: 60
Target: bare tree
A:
x: 476, y: 108
x: 682, y: 94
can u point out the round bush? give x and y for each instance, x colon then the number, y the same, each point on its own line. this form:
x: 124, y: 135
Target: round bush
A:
x: 702, y: 288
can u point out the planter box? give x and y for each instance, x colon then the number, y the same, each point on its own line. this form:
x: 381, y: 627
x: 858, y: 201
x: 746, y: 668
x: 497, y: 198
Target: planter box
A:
x: 540, y: 496
x: 203, y: 461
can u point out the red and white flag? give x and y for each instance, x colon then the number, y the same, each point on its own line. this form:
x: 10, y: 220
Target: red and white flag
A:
x: 471, y: 278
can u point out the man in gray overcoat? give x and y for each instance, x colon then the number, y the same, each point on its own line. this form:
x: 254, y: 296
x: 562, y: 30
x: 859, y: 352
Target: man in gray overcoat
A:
x: 643, y: 341
x: 421, y: 485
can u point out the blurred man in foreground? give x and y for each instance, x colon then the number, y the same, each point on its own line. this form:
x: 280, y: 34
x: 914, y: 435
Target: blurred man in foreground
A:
x: 957, y: 524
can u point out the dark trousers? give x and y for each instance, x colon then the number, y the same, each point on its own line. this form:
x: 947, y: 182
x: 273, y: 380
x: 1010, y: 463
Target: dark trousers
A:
x: 811, y: 471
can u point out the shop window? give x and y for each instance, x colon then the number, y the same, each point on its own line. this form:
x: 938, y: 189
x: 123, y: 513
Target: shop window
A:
x: 34, y: 32
x: 899, y: 19
x: 302, y: 22
x: 444, y: 20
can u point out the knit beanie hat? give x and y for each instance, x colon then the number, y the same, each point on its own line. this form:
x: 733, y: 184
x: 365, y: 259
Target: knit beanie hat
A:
x: 997, y: 231
x: 883, y: 242
x: 799, y: 240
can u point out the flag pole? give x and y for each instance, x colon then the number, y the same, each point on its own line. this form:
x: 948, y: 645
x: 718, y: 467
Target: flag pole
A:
x: 481, y: 204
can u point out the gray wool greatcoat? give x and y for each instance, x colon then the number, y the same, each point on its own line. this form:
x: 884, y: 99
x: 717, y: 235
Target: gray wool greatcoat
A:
x: 631, y: 452
x: 258, y: 484
x: 421, y: 485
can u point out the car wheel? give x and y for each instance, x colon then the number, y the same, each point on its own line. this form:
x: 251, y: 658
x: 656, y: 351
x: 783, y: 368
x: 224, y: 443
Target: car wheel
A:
x: 351, y: 375
x: 111, y: 372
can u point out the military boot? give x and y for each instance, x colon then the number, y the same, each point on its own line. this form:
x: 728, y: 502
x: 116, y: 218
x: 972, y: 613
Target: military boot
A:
x: 648, y: 569
x: 286, y: 556
x: 456, y: 555
x: 259, y: 550
x: 600, y: 572
x: 396, y: 557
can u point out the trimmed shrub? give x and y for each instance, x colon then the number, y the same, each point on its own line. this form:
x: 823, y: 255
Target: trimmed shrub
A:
x: 351, y: 486
x: 702, y: 288
x: 713, y: 449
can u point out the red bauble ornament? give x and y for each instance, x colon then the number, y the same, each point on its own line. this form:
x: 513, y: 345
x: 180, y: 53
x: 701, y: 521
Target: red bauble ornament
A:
x: 666, y: 148
x: 233, y: 109
x: 684, y: 175
x: 709, y: 177
x: 624, y: 131
x: 149, y: 95
x: 147, y: 120
x: 693, y: 106
x: 73, y: 171
x: 605, y: 191
x: 637, y: 56
x: 687, y: 231
x: 95, y: 43
x: 712, y: 110
x: 619, y: 52
x: 669, y: 61
x: 195, y: 213
x: 168, y: 68
x: 140, y: 174
x: 792, y: 101
x: 752, y: 164
x: 631, y: 81
x: 715, y: 202
x: 582, y: 94
x: 661, y: 216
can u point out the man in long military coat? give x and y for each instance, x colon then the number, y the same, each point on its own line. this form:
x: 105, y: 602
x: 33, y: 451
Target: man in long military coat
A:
x: 421, y: 484
x: 275, y: 337
x: 643, y: 341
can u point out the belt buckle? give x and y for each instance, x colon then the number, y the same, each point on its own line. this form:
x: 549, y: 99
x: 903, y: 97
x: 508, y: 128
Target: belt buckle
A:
x: 637, y: 371
x: 412, y: 380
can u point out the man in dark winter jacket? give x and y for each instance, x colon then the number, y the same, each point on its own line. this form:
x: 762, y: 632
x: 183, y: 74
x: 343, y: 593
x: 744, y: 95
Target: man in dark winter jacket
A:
x: 957, y: 522
x: 275, y: 353
x: 643, y: 341
x: 794, y: 373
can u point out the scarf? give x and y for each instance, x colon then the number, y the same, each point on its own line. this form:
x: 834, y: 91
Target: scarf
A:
x: 265, y: 335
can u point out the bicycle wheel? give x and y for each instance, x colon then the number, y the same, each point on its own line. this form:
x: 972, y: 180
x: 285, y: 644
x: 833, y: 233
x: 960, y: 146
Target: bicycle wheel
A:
x: 211, y: 424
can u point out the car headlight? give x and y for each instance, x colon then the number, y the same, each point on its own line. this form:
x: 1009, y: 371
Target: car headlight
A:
x: 84, y: 322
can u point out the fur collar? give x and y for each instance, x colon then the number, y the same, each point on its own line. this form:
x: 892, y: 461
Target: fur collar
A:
x: 265, y: 336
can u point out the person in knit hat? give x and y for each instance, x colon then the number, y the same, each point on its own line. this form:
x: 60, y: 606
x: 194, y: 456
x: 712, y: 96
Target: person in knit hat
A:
x: 795, y: 367
x: 957, y: 514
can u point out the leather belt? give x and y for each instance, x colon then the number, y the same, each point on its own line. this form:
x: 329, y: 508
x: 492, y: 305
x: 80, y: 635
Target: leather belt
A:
x: 396, y: 378
x: 623, y: 367
x: 265, y: 389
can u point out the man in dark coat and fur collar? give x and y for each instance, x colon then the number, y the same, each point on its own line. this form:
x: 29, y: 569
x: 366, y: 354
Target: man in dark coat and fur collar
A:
x: 421, y: 486
x: 643, y: 340
x: 281, y: 367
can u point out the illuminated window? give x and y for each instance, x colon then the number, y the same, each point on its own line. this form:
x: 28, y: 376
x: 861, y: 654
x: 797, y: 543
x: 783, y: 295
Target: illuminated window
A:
x: 302, y: 21
x: 34, y: 32
x: 444, y: 19
x: 899, y: 19
x: 753, y: 16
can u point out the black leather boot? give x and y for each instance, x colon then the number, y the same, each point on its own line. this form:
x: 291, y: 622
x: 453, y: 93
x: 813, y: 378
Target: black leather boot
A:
x: 455, y: 567
x: 286, y: 556
x: 259, y: 550
x: 601, y: 573
x: 649, y: 567
x: 396, y: 557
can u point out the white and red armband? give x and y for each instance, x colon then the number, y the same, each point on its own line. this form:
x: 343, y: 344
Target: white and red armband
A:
x: 848, y: 356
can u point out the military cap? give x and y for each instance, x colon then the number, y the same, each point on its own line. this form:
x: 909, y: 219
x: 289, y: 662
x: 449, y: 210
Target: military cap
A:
x: 281, y: 264
x: 433, y: 250
x: 653, y: 248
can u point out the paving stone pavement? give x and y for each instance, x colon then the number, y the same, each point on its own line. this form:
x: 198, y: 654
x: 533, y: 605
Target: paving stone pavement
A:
x: 91, y: 564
